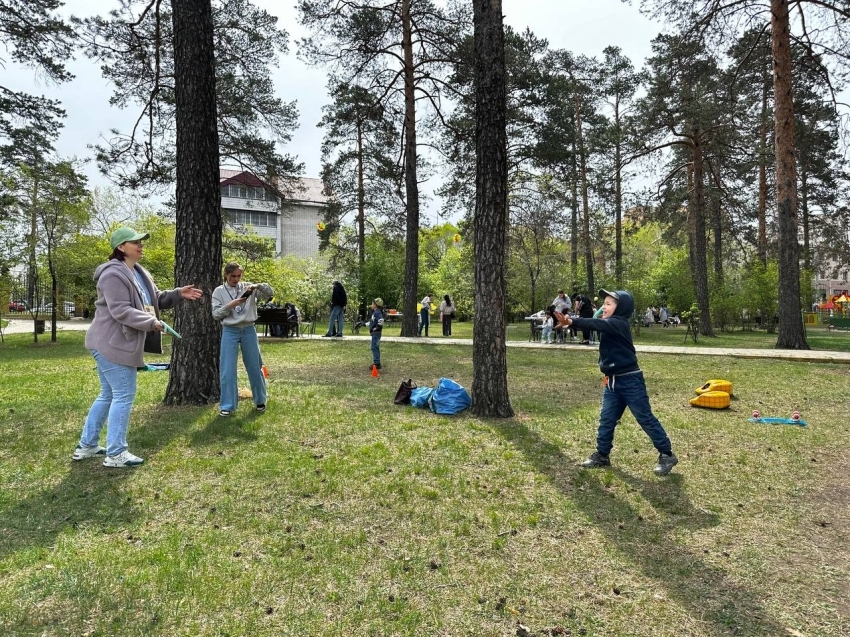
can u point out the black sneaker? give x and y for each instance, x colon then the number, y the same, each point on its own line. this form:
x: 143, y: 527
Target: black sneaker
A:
x: 328, y: 335
x: 665, y: 464
x: 596, y: 460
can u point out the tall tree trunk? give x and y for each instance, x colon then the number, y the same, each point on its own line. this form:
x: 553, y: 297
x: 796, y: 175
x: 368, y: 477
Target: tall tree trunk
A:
x: 804, y: 210
x: 409, y: 324
x: 698, y: 243
x: 489, y: 351
x: 762, y: 201
x: 194, y: 370
x: 717, y: 225
x: 618, y: 196
x: 574, y: 222
x: 792, y: 333
x: 33, y: 291
x: 585, y: 205
x: 361, y: 222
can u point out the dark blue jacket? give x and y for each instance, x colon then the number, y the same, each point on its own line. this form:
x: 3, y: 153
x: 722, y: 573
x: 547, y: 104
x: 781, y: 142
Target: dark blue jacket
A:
x: 377, y: 322
x: 616, y: 351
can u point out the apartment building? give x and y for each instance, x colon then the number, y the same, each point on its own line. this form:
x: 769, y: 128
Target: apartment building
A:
x: 286, y: 215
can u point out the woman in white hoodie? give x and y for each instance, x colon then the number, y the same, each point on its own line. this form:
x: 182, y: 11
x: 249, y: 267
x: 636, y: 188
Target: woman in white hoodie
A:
x: 235, y: 305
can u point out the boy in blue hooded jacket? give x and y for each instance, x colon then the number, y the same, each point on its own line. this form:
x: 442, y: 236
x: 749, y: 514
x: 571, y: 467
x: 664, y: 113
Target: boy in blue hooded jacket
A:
x: 624, y: 382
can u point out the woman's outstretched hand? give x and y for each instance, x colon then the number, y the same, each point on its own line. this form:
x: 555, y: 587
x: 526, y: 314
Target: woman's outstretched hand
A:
x: 191, y: 293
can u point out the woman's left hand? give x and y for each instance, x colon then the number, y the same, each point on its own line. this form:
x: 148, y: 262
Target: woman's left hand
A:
x: 191, y: 293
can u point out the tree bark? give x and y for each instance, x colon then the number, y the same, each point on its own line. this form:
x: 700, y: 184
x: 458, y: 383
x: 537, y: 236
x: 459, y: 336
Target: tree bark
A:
x: 762, y: 201
x: 489, y: 352
x: 618, y: 196
x: 194, y: 370
x: 585, y: 204
x: 804, y: 211
x: 792, y: 333
x: 698, y: 243
x: 717, y: 226
x: 574, y: 221
x: 361, y: 221
x: 409, y: 324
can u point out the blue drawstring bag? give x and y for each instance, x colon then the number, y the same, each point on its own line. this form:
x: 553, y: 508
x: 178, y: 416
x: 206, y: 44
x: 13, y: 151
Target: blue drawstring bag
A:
x: 420, y: 396
x: 449, y: 397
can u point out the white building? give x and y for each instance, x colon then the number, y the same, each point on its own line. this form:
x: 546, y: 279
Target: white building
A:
x: 290, y: 218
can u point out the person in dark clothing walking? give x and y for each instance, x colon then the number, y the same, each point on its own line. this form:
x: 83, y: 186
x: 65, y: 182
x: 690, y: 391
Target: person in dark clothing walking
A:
x: 584, y: 307
x: 338, y: 302
x: 624, y: 382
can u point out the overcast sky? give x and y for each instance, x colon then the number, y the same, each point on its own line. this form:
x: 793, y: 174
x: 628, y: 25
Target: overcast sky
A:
x: 581, y: 26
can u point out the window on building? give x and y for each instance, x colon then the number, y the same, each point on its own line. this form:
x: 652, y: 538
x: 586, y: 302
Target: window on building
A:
x: 250, y: 218
x: 238, y: 191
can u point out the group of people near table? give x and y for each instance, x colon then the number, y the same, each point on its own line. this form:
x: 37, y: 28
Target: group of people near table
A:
x: 578, y: 306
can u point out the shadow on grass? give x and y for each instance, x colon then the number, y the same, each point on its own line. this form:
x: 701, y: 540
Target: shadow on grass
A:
x: 652, y: 546
x: 231, y: 429
x: 89, y: 494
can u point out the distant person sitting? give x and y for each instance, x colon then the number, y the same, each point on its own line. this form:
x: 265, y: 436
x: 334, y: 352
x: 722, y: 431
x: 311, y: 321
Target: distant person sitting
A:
x: 290, y: 328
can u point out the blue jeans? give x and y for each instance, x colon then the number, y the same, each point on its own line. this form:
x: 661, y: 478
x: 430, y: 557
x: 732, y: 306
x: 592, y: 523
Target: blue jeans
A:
x: 231, y: 338
x: 424, y: 321
x: 628, y: 391
x: 546, y: 334
x: 376, y: 348
x: 337, y: 320
x: 112, y: 407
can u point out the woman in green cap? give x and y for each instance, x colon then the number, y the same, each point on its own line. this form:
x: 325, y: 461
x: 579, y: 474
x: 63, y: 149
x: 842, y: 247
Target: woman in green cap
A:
x: 127, y: 309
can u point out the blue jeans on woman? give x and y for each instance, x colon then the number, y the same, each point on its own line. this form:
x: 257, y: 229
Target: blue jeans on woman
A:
x: 337, y: 320
x: 112, y: 407
x: 628, y: 390
x: 231, y: 338
x: 424, y: 321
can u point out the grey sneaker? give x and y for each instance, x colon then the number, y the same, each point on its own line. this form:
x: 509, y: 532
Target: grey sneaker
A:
x: 81, y: 453
x: 122, y: 460
x: 665, y: 464
x: 596, y: 460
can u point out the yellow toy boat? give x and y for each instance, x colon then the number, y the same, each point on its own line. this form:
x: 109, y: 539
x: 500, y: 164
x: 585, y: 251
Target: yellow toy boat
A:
x: 716, y: 384
x: 712, y: 400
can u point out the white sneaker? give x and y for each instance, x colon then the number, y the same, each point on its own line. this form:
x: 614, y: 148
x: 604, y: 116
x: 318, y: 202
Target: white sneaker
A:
x: 81, y: 453
x: 123, y: 459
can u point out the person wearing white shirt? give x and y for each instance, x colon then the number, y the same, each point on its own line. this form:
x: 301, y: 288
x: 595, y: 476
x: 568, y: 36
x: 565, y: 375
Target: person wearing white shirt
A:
x: 562, y: 302
x: 425, y: 313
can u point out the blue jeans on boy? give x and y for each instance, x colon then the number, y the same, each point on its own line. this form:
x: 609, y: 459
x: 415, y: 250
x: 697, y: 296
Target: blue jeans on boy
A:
x: 337, y: 320
x: 546, y: 335
x: 628, y: 390
x: 376, y: 348
x: 112, y: 406
x: 231, y: 338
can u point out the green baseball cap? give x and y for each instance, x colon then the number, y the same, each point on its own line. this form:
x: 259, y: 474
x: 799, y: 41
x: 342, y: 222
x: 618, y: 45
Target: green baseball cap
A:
x: 122, y: 235
x: 379, y: 302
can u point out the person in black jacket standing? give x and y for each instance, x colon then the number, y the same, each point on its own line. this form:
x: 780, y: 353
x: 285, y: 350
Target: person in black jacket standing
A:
x: 338, y: 302
x: 624, y: 382
x: 584, y: 307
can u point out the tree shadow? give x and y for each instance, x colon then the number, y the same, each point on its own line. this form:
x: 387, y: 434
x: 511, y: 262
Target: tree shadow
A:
x: 89, y: 494
x: 652, y: 546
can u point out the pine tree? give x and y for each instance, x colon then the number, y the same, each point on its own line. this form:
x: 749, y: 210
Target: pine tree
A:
x: 489, y: 351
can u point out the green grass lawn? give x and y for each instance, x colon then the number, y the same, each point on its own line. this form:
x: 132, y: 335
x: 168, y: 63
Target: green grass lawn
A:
x: 339, y: 513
